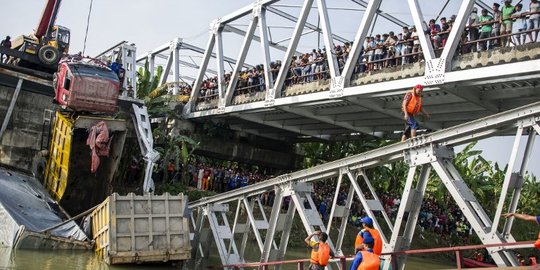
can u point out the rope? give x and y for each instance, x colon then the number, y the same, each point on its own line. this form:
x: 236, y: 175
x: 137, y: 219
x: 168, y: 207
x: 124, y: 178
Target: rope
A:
x: 87, y: 25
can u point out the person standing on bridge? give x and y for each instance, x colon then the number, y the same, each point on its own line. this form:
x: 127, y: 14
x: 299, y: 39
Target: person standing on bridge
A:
x: 528, y: 218
x: 320, y: 251
x: 411, y: 106
x: 366, y: 259
x: 368, y: 231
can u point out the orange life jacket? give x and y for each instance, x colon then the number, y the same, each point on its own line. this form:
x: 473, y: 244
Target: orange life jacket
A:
x: 321, y: 255
x: 370, y: 261
x: 415, y: 103
x: 537, y: 243
x: 377, y: 246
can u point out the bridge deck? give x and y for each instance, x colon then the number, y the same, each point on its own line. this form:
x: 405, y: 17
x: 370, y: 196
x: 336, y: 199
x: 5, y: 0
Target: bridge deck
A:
x: 480, y: 84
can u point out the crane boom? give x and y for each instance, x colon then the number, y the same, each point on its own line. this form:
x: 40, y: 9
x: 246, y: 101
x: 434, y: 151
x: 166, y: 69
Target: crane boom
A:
x: 48, y: 17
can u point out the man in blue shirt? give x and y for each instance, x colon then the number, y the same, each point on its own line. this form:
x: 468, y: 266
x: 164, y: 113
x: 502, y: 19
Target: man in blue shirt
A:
x: 366, y: 257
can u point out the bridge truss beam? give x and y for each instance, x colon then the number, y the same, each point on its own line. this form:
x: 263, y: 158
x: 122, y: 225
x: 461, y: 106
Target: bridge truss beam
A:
x: 426, y: 156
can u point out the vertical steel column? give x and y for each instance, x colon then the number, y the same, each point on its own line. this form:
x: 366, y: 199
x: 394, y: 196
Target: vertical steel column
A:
x: 425, y: 41
x: 177, y: 43
x: 151, y: 58
x: 274, y: 216
x: 197, y: 227
x: 200, y: 76
x: 455, y: 35
x: 507, y: 179
x: 11, y: 107
x: 334, y: 204
x: 167, y: 69
x: 263, y: 29
x: 358, y: 43
x: 328, y: 40
x: 222, y: 233
x: 411, y: 203
x: 235, y: 230
x: 518, y: 184
x: 288, y: 219
x: 344, y: 223
x: 297, y: 33
x: 220, y: 64
x: 240, y: 60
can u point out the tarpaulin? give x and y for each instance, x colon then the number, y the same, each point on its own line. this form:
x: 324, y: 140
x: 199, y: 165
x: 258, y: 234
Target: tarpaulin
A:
x: 99, y: 143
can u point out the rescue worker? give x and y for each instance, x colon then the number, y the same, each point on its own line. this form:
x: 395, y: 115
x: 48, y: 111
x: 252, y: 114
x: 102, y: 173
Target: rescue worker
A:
x: 367, y: 229
x: 320, y: 251
x: 528, y: 218
x: 366, y: 259
x: 411, y: 106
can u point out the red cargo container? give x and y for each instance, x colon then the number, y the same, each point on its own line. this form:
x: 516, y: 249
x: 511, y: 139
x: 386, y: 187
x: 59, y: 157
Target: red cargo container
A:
x: 86, y: 87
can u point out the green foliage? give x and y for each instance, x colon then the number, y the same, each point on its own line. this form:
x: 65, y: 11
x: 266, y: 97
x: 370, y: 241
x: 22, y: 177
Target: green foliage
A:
x: 146, y: 84
x: 179, y: 148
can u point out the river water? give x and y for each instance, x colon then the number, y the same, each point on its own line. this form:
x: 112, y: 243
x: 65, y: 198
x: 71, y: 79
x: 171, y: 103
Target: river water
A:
x: 84, y: 260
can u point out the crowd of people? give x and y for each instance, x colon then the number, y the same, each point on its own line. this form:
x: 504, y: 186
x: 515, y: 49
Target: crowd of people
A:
x: 508, y: 25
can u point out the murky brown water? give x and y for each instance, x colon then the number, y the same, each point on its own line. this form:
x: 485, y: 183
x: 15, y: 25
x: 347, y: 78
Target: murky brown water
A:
x: 75, y: 260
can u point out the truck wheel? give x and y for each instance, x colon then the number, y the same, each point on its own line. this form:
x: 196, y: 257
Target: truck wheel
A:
x: 48, y: 55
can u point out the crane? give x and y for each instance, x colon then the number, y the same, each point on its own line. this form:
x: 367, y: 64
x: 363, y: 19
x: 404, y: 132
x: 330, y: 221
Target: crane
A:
x: 47, y: 44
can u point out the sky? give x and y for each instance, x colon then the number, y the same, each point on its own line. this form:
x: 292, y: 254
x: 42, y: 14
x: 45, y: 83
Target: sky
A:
x: 151, y: 23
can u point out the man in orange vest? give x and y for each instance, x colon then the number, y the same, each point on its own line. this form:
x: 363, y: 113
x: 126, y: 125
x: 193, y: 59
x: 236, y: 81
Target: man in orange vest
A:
x: 411, y: 106
x: 368, y: 230
x: 366, y: 259
x: 320, y: 251
x: 528, y: 218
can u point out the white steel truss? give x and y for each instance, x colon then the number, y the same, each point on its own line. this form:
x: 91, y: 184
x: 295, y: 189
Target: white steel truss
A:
x: 127, y: 54
x: 424, y: 154
x: 463, y: 86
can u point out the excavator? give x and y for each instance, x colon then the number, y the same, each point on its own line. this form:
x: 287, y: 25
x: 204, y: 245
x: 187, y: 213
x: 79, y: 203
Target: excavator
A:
x: 44, y: 48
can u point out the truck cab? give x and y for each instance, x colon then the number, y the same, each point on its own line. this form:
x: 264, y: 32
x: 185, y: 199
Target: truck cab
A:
x: 82, y: 86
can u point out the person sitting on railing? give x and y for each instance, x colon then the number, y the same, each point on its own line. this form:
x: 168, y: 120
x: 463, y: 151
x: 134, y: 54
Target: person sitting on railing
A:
x: 486, y: 29
x: 496, y: 27
x: 474, y: 20
x: 296, y: 69
x: 526, y: 217
x: 506, y: 21
x: 534, y: 19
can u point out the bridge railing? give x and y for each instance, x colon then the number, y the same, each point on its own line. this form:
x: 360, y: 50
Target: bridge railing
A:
x: 342, y: 260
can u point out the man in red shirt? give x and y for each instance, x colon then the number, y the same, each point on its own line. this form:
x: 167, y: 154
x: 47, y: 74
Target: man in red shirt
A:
x: 411, y: 106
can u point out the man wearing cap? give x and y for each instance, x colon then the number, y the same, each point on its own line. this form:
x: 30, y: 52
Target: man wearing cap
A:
x: 320, y: 251
x: 368, y: 231
x: 366, y: 259
x: 411, y: 106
